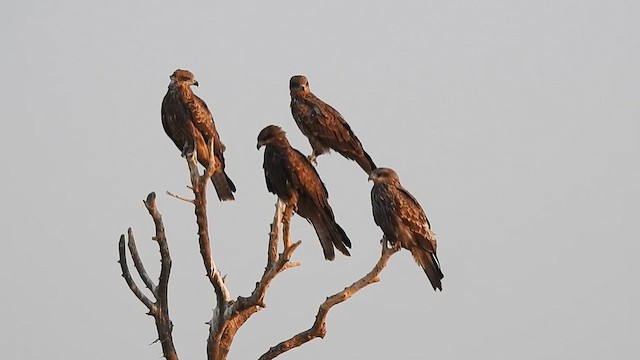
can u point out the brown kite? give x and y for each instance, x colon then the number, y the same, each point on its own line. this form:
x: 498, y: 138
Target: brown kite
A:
x: 291, y: 176
x: 188, y: 122
x: 402, y: 220
x: 324, y: 126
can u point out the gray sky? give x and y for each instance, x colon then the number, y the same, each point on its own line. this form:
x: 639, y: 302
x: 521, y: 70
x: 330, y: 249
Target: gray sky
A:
x: 514, y: 123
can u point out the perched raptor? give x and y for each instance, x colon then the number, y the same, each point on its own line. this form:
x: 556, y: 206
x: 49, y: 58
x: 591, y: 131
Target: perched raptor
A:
x: 402, y: 220
x: 324, y: 126
x: 291, y: 176
x: 188, y: 122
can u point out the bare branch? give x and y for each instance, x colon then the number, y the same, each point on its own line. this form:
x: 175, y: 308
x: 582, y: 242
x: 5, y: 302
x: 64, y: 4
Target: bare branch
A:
x: 274, y: 234
x: 291, y: 264
x: 126, y: 274
x: 288, y: 213
x: 160, y: 308
x: 273, y: 268
x: 199, y: 187
x: 318, y: 329
x: 137, y: 261
x: 240, y: 310
x: 223, y: 297
x: 190, y: 201
x: 165, y: 257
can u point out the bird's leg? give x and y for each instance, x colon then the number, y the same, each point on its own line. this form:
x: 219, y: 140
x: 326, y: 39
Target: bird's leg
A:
x: 388, y: 244
x: 214, y: 164
x: 286, y: 221
x: 186, y: 149
x: 189, y: 153
x: 291, y: 206
x: 288, y: 212
x: 317, y: 149
x: 312, y: 159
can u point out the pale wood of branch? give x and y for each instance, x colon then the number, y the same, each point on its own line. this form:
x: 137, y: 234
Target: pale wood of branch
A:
x: 199, y: 188
x: 180, y: 197
x: 160, y: 308
x: 137, y: 262
x: 126, y: 274
x: 239, y: 311
x: 229, y: 315
x: 318, y: 329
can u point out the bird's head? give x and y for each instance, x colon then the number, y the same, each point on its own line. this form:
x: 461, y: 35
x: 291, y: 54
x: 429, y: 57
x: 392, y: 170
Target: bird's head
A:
x: 183, y: 77
x: 384, y: 176
x: 271, y: 134
x: 299, y: 83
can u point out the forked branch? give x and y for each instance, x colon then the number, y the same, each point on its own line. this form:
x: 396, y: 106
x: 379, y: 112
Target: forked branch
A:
x: 159, y: 308
x: 229, y: 315
x: 223, y: 329
x: 318, y: 329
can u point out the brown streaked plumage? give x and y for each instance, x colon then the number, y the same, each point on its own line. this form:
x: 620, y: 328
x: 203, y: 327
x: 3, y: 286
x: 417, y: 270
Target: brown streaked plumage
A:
x: 324, y: 126
x: 291, y: 176
x: 188, y: 122
x: 402, y: 220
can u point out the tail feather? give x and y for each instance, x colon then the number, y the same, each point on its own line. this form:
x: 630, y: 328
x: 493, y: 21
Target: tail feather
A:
x: 365, y: 162
x: 221, y: 182
x: 223, y: 185
x: 325, y: 240
x: 330, y: 234
x: 341, y: 241
x: 431, y: 266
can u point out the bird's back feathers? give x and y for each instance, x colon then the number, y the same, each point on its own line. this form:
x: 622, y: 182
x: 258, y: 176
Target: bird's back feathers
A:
x: 189, y: 124
x: 326, y: 129
x: 290, y: 175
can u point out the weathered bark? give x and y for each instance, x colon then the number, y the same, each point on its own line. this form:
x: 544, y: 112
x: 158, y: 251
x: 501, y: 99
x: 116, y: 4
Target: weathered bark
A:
x: 228, y: 315
x: 318, y: 329
x: 159, y: 308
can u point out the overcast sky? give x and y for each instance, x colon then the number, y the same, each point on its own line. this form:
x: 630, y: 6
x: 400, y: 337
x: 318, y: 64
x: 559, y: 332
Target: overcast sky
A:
x: 514, y: 123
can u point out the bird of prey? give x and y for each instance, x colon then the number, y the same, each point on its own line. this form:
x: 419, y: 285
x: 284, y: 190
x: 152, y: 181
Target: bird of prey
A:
x: 324, y: 126
x: 402, y: 220
x: 291, y: 176
x: 188, y: 122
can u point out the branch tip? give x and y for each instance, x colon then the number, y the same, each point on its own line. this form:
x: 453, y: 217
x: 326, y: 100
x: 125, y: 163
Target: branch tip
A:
x: 190, y: 201
x: 151, y: 197
x: 318, y: 329
x: 160, y: 308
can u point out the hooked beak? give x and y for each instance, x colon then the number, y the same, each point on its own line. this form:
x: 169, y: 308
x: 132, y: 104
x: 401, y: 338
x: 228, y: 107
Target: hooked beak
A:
x: 259, y: 144
x: 298, y: 88
x: 195, y: 82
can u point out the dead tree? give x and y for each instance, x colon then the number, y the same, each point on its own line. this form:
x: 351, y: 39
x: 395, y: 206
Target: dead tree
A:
x: 160, y: 308
x: 228, y: 315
